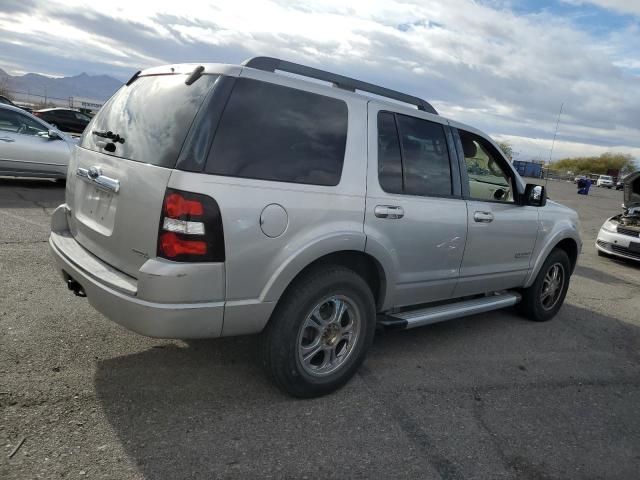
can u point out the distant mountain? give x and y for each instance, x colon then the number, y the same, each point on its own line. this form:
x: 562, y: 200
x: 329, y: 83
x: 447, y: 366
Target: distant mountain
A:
x: 95, y: 87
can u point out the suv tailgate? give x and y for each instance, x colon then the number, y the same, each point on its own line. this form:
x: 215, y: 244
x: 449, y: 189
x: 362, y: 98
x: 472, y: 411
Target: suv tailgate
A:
x: 119, y: 172
x: 121, y: 228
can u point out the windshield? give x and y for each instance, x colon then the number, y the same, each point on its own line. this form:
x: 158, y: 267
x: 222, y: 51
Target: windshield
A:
x: 148, y: 120
x: 82, y: 116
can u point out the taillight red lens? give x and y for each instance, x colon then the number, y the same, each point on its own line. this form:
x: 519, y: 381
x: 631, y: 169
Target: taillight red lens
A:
x: 176, y: 206
x: 190, y: 228
x: 172, y: 246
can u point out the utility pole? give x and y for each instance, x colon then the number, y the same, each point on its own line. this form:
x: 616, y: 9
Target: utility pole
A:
x: 553, y: 142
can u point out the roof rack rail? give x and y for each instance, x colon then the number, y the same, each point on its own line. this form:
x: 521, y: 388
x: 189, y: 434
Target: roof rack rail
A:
x: 271, y: 64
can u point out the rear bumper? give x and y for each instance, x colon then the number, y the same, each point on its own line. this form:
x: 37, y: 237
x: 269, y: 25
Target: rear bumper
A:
x: 116, y: 295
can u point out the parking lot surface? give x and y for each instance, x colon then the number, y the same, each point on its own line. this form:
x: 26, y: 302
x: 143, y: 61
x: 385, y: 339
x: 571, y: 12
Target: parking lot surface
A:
x: 489, y: 396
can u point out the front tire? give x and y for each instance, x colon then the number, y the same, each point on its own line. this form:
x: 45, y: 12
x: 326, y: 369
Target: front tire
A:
x: 320, y: 332
x: 542, y: 300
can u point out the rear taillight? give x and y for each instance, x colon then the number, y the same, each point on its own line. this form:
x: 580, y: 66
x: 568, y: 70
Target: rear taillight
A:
x: 190, y: 228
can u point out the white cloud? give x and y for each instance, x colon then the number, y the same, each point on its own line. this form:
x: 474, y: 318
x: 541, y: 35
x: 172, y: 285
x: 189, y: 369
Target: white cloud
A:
x: 620, y: 6
x: 479, y: 63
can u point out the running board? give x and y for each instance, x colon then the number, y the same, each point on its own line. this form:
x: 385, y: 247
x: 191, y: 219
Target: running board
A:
x: 440, y: 313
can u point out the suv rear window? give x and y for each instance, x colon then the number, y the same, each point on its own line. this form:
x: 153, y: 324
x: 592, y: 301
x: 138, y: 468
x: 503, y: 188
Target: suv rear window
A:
x: 271, y: 132
x: 153, y: 115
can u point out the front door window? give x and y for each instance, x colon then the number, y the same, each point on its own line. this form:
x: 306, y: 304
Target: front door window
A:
x: 487, y: 176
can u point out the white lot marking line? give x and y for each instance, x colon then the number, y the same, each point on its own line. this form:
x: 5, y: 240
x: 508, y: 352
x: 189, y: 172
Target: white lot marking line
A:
x: 37, y: 224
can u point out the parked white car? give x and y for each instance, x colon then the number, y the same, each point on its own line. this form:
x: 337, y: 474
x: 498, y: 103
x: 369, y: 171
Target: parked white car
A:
x: 605, y: 181
x: 620, y: 235
x: 30, y: 147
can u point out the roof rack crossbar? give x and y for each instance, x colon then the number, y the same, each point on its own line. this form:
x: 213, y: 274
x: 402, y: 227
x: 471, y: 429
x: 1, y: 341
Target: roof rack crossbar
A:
x: 271, y: 64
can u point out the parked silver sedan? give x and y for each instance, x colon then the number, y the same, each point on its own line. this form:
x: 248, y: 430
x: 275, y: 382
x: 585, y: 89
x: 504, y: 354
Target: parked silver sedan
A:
x: 30, y: 147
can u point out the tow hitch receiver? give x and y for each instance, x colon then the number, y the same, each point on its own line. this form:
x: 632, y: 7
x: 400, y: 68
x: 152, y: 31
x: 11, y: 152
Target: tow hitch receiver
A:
x: 76, y: 288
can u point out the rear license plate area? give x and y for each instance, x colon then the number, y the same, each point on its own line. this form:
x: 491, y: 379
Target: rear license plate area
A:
x: 96, y: 208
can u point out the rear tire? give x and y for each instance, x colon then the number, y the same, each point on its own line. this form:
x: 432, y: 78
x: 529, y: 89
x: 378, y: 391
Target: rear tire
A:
x: 320, y: 332
x: 542, y: 300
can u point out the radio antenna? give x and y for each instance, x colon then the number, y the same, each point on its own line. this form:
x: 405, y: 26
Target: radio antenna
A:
x: 553, y: 142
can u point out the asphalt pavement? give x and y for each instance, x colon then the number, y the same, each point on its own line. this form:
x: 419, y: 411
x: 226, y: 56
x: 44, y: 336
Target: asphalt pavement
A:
x: 488, y: 396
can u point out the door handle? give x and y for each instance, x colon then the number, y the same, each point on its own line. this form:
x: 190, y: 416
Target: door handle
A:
x: 7, y: 139
x: 94, y: 176
x: 388, y: 211
x: 483, y: 217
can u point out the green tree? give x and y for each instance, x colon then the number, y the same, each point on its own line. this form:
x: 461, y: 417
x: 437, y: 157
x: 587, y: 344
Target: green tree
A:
x: 506, y: 148
x: 622, y: 162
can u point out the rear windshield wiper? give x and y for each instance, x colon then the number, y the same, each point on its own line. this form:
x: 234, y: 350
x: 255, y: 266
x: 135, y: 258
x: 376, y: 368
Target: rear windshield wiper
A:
x: 114, y: 137
x: 133, y: 78
x: 195, y: 75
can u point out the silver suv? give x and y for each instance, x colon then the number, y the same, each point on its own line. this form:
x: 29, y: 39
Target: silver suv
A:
x: 216, y: 200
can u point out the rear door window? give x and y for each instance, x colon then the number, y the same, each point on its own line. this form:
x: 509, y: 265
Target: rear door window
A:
x: 271, y: 132
x: 425, y: 158
x: 152, y: 115
x: 413, y: 157
x: 389, y: 159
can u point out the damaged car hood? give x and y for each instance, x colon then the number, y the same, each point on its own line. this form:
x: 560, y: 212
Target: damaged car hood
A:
x: 632, y: 190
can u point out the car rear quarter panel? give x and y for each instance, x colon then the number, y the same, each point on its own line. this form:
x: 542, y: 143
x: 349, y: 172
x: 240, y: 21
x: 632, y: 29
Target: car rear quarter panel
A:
x: 320, y: 220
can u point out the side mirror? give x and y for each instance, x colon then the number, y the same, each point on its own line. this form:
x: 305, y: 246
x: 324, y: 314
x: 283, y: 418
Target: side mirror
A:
x: 535, y: 195
x: 53, y: 135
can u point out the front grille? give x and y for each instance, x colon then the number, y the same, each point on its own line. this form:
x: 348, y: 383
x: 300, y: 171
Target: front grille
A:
x: 625, y: 251
x: 629, y: 232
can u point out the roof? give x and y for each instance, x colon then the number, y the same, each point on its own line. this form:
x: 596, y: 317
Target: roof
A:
x: 347, y: 85
x: 303, y: 73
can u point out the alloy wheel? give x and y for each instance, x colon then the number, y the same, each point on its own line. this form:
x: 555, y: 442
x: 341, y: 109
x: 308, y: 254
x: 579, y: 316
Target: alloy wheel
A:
x: 552, y: 286
x: 329, y: 335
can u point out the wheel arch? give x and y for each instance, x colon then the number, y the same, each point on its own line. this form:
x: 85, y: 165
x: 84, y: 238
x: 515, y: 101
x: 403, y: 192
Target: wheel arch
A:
x: 570, y: 247
x: 368, y: 267
x: 568, y: 244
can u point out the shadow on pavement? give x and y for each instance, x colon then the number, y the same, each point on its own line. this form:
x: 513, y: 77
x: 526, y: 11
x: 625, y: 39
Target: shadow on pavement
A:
x: 482, y: 395
x: 604, y: 277
x: 21, y: 193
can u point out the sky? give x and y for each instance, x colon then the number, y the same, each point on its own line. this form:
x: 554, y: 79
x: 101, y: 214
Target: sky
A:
x: 504, y: 66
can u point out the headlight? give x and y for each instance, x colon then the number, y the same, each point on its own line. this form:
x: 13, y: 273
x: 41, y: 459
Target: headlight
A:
x: 610, y: 226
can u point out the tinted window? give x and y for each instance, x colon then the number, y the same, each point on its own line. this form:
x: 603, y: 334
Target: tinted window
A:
x: 15, y: 122
x: 271, y: 132
x: 153, y: 115
x: 82, y: 117
x: 425, y: 157
x: 486, y: 173
x: 389, y: 161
